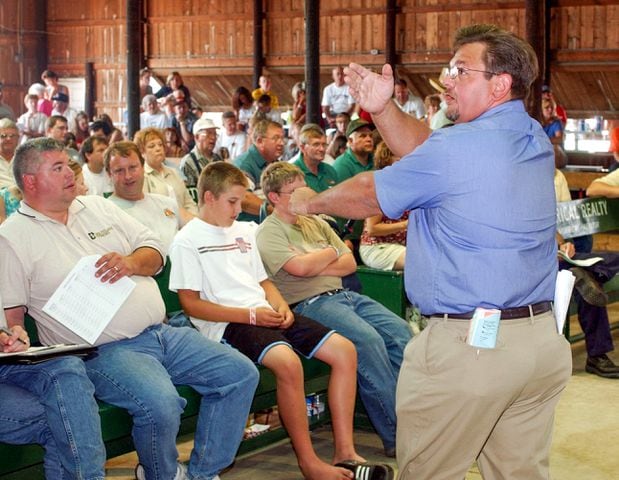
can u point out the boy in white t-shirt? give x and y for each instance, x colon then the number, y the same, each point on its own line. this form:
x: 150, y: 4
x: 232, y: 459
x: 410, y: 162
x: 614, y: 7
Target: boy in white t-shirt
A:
x: 223, y: 287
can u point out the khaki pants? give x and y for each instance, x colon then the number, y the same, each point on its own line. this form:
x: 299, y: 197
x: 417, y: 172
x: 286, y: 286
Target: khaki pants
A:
x: 456, y: 404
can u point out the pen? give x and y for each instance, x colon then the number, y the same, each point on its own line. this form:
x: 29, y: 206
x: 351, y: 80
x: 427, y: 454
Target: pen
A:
x: 10, y: 334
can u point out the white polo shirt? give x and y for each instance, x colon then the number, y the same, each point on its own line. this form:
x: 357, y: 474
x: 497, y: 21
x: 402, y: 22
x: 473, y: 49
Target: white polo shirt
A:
x: 157, y: 212
x: 37, y: 253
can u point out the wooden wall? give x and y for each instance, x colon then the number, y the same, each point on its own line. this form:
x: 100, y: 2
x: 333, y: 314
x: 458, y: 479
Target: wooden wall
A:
x: 211, y: 43
x: 18, y: 51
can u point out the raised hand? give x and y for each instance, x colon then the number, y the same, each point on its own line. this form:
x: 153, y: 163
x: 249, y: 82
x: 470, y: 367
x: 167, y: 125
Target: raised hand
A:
x: 371, y: 90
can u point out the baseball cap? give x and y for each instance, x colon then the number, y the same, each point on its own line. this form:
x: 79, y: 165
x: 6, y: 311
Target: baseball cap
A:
x: 545, y: 88
x: 356, y: 125
x: 61, y: 97
x: 203, y: 124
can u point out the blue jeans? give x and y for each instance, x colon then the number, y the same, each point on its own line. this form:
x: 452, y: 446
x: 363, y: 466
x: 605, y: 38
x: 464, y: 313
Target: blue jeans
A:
x: 54, y: 406
x: 379, y: 336
x: 139, y: 374
x: 594, y: 320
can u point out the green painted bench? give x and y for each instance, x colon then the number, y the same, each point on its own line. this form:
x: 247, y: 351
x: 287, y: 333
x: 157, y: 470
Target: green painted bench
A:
x: 21, y: 462
x: 386, y: 287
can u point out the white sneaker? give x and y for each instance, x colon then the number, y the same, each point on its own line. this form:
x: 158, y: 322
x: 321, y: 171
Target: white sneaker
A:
x: 181, y: 472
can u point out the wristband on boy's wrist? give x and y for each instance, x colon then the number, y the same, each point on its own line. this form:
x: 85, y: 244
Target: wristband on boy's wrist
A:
x: 252, y: 316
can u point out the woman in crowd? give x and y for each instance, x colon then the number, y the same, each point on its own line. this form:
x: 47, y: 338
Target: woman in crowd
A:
x: 383, y: 242
x: 300, y: 106
x: 173, y: 146
x: 52, y: 85
x: 80, y: 128
x: 159, y: 178
x: 432, y: 103
x: 174, y: 82
x: 243, y: 106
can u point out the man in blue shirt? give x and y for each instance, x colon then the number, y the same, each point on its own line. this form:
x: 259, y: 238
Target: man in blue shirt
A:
x: 482, y: 224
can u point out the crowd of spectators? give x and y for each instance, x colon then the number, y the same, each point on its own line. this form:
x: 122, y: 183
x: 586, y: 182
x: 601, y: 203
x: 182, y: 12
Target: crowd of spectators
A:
x: 182, y: 176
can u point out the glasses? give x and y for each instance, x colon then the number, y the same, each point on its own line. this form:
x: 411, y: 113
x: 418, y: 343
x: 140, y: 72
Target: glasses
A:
x: 4, y: 136
x: 317, y: 145
x: 276, y: 138
x: 455, y: 71
x: 286, y: 193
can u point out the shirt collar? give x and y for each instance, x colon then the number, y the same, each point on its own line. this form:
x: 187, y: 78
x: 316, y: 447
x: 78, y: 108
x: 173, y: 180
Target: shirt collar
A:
x: 148, y: 170
x: 260, y: 161
x: 26, y: 210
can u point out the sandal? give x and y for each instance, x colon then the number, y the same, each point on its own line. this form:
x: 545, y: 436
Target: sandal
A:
x: 367, y: 471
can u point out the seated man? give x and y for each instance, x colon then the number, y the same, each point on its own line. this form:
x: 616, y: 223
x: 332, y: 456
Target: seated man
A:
x: 125, y: 165
x: 223, y: 287
x: 358, y: 158
x: 140, y: 359
x: 96, y: 178
x: 35, y: 409
x: 232, y: 139
x: 267, y: 147
x: 306, y: 260
x: 202, y: 152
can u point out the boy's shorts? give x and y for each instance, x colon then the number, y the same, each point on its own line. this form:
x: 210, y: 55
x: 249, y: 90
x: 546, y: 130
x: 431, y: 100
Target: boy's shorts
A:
x: 305, y: 336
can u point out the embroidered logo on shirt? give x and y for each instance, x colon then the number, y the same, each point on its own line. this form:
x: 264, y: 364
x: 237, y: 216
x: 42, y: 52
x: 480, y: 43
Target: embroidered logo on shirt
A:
x: 243, y: 247
x: 168, y: 213
x: 103, y: 233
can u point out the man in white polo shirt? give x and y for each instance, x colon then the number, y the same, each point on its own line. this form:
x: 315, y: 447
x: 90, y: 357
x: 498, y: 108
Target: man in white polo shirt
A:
x: 140, y: 359
x: 125, y: 165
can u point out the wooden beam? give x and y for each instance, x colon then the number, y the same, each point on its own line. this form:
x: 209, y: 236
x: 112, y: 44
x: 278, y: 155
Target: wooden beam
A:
x: 40, y: 26
x: 535, y: 20
x: 390, y: 34
x: 91, y: 91
x: 312, y: 60
x: 258, y: 41
x: 134, y: 41
x: 605, y: 58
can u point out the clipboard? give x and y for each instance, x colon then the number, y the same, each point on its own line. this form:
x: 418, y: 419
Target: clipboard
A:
x: 42, y: 354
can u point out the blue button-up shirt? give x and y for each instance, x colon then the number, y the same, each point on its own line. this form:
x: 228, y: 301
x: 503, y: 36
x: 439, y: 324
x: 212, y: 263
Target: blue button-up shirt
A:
x: 482, y: 227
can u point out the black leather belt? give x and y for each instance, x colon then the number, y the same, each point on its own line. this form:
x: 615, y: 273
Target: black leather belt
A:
x: 328, y: 293
x: 507, y: 314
